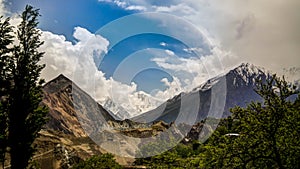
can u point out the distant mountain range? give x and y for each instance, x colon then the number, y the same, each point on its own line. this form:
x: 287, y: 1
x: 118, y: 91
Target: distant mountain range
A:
x: 143, y: 102
x: 71, y: 108
x: 75, y: 115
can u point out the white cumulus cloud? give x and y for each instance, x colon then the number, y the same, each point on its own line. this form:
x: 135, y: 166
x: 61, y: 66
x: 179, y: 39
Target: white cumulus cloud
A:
x: 125, y: 5
x: 77, y: 61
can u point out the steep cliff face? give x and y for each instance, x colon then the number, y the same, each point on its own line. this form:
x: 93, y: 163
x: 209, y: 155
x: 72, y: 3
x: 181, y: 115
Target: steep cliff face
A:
x: 71, y: 110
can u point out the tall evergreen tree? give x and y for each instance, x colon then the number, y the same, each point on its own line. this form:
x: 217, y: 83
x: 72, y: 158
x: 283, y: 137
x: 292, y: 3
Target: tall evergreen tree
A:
x: 5, y: 41
x: 26, y: 115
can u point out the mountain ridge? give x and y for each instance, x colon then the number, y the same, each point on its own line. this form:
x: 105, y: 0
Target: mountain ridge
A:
x: 240, y: 83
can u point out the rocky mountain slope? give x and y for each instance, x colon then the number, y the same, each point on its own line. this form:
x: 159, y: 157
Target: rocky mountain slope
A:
x: 213, y: 98
x: 71, y: 109
x: 64, y: 140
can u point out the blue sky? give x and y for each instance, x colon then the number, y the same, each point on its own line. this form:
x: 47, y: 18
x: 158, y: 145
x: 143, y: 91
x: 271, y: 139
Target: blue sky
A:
x: 60, y: 17
x: 194, y: 38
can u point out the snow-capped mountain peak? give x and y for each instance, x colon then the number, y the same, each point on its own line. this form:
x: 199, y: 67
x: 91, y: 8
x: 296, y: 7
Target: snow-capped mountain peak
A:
x: 118, y: 111
x: 137, y: 103
x: 249, y: 73
x: 239, y: 86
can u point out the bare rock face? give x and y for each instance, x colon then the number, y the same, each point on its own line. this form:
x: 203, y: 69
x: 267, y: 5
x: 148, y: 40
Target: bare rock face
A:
x: 71, y: 110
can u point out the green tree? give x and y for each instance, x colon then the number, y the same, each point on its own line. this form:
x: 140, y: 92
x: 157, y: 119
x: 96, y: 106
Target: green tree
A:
x: 5, y: 41
x: 26, y: 114
x: 269, y: 132
x: 181, y: 156
x: 104, y: 161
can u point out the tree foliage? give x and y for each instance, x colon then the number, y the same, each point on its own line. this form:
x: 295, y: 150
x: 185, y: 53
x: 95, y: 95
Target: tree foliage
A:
x: 21, y: 88
x: 5, y: 41
x: 100, y: 162
x: 181, y: 156
x: 269, y: 132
